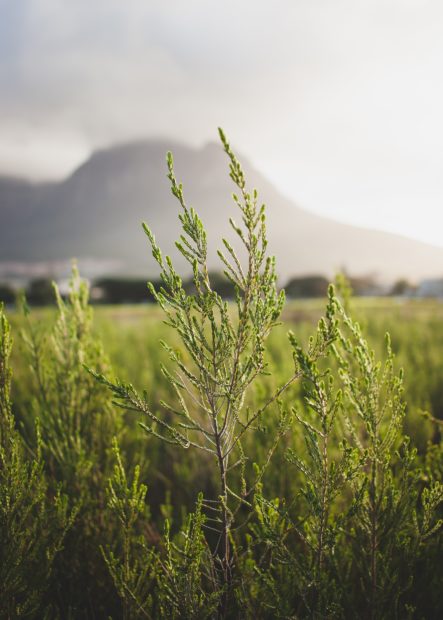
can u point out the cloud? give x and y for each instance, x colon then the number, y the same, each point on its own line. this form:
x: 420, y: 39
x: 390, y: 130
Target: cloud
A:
x: 339, y: 101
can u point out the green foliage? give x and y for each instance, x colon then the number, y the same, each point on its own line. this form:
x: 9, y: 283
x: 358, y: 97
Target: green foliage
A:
x: 68, y: 401
x: 224, y: 354
x: 77, y: 426
x: 131, y: 564
x: 330, y: 463
x: 285, y: 484
x: 188, y: 584
x: 382, y: 505
x: 33, y: 525
x: 355, y: 521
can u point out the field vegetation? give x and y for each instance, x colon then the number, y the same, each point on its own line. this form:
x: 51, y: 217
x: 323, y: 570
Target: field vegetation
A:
x: 212, y: 459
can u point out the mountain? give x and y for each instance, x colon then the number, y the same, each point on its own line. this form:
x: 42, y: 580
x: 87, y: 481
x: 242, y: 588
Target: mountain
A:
x: 96, y: 213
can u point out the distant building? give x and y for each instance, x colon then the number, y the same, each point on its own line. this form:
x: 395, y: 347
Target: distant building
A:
x: 430, y: 288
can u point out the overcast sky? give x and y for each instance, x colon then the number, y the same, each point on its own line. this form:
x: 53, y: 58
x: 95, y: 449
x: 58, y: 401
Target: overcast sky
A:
x: 339, y: 102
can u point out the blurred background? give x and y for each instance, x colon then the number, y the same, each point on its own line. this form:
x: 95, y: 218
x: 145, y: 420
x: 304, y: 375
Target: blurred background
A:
x: 334, y: 108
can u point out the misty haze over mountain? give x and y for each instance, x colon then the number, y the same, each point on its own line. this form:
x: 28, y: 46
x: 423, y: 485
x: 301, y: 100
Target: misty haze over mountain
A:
x: 95, y: 215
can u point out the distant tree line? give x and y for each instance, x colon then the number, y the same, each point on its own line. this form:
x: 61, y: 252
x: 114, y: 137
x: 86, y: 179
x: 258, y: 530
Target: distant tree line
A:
x: 7, y: 294
x: 126, y: 290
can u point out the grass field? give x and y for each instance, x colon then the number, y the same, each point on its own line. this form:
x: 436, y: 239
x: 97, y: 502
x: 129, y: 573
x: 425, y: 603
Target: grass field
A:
x: 131, y: 334
x: 78, y: 422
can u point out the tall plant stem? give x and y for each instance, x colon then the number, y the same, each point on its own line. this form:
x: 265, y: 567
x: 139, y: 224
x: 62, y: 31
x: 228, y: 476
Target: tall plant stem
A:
x: 224, y: 546
x: 374, y: 542
x: 324, y: 505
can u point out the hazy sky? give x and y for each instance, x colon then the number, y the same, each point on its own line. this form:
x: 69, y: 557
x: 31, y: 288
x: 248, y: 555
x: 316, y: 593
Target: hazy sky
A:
x: 339, y: 102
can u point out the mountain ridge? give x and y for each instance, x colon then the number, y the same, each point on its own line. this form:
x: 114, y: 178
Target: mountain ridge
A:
x: 96, y: 213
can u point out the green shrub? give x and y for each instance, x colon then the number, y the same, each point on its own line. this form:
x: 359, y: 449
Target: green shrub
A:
x: 282, y: 482
x: 77, y: 426
x: 33, y: 524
